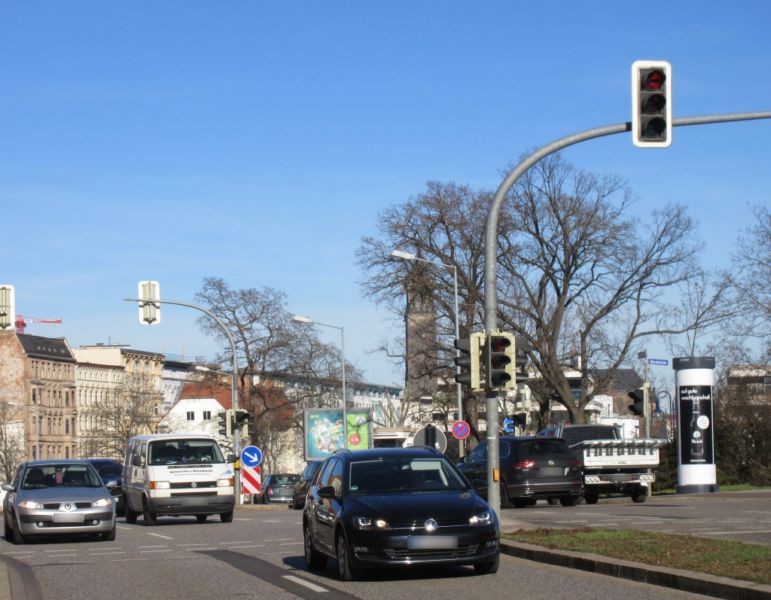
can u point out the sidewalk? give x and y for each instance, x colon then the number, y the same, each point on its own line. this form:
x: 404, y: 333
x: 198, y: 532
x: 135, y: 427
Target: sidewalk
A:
x: 687, y: 581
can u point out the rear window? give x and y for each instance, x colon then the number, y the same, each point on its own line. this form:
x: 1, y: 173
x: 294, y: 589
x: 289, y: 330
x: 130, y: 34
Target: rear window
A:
x: 545, y: 447
x: 284, y: 479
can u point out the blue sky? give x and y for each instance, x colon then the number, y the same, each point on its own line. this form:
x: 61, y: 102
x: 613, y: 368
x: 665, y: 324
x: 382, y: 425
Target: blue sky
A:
x: 257, y: 141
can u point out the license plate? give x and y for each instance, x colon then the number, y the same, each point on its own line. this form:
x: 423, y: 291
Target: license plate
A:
x: 68, y: 518
x: 432, y: 542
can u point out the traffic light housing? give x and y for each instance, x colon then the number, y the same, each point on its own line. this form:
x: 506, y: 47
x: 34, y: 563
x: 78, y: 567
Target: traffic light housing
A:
x: 7, y: 307
x: 520, y: 420
x: 470, y: 361
x: 500, y: 361
x: 651, y: 103
x: 149, y: 293
x: 241, y: 422
x: 226, y: 423
x: 638, y: 405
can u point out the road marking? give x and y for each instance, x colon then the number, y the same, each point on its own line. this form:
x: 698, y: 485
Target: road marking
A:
x: 152, y: 551
x: 165, y: 537
x: 159, y: 546
x: 308, y: 584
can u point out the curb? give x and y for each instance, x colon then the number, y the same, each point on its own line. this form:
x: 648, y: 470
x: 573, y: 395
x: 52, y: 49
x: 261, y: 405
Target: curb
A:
x: 687, y: 581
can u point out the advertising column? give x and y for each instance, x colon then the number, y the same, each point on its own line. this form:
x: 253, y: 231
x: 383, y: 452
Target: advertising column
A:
x: 694, y: 380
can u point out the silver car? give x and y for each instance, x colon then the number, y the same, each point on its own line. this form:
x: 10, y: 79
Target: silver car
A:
x: 49, y: 497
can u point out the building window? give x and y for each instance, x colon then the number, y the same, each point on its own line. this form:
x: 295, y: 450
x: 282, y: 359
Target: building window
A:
x: 207, y: 415
x: 190, y: 415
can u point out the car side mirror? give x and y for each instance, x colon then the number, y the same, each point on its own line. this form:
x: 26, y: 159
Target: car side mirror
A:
x: 7, y: 487
x: 113, y: 483
x: 327, y: 492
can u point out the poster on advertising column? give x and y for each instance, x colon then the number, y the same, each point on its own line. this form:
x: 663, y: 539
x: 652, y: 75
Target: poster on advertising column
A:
x: 696, y: 437
x: 324, y: 432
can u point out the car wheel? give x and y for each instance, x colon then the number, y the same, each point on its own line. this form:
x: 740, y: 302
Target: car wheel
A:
x: 485, y: 568
x: 201, y: 518
x: 505, y: 501
x: 110, y: 535
x: 18, y: 537
x: 131, y: 515
x: 226, y: 517
x: 148, y: 517
x: 8, y: 530
x: 314, y: 559
x: 640, y: 495
x: 591, y: 498
x: 553, y: 501
x: 521, y: 503
x: 569, y: 500
x: 344, y: 568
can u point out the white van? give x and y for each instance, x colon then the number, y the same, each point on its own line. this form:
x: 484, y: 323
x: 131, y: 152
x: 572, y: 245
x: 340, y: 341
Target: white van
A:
x: 177, y: 474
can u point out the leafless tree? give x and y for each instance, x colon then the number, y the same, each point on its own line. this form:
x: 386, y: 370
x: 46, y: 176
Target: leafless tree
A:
x: 131, y: 409
x: 12, y: 450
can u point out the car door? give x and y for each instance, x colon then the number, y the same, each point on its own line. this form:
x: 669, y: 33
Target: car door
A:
x: 322, y: 510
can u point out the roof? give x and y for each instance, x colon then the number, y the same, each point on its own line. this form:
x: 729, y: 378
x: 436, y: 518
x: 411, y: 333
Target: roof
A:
x: 36, y: 346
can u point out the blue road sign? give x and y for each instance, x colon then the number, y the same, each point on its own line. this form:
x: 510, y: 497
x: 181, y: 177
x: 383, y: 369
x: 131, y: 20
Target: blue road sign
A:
x: 658, y: 361
x: 508, y: 425
x: 251, y: 456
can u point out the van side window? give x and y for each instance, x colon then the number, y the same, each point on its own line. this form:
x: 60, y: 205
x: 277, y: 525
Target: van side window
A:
x: 138, y: 458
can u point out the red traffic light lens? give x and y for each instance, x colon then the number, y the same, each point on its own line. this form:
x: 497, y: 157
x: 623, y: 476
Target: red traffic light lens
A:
x: 654, y: 81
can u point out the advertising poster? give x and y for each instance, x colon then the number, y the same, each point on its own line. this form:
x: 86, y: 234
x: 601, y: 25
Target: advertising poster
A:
x: 324, y: 431
x: 696, y: 424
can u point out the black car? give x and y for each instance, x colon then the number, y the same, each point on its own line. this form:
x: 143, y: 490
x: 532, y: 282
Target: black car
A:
x: 301, y: 487
x: 112, y: 470
x: 396, y: 507
x: 531, y: 468
x: 278, y: 488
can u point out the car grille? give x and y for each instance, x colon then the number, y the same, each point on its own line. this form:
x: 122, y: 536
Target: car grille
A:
x: 56, y: 505
x: 420, y: 524
x: 183, y: 485
x: 192, y: 494
x: 405, y: 553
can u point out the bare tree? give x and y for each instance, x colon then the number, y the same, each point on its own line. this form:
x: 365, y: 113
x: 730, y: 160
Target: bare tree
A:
x: 12, y: 442
x: 131, y: 409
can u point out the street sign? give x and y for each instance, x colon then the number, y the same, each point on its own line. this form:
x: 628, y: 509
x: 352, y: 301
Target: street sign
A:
x: 460, y: 430
x: 251, y: 480
x: 508, y: 425
x: 658, y: 361
x: 251, y: 456
x: 440, y: 440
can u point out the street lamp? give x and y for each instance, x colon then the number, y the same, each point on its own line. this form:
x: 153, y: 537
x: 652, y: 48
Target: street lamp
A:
x: 409, y: 256
x: 309, y: 321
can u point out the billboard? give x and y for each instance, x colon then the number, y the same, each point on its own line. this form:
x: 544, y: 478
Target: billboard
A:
x: 324, y: 431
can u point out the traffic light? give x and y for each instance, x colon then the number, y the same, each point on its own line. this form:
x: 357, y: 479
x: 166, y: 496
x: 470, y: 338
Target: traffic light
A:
x: 520, y: 420
x: 638, y: 406
x: 226, y: 423
x: 7, y: 307
x: 470, y: 361
x: 500, y: 361
x: 241, y: 422
x: 149, y: 307
x: 651, y: 103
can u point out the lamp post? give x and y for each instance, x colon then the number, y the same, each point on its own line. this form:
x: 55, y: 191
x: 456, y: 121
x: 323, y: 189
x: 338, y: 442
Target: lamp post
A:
x: 459, y: 393
x: 309, y: 321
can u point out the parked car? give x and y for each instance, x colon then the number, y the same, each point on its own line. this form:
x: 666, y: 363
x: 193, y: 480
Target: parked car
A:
x: 531, y: 468
x: 301, y: 486
x: 53, y: 497
x: 396, y: 507
x: 278, y: 488
x: 111, y: 470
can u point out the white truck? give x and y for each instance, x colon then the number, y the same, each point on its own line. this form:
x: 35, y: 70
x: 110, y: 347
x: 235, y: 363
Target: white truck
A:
x: 611, y: 463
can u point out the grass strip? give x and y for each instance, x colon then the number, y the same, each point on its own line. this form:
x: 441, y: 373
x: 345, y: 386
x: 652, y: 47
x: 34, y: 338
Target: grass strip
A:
x: 748, y: 562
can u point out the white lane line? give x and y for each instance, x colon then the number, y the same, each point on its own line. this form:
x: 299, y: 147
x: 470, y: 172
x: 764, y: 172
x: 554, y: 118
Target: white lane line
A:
x: 292, y: 544
x: 165, y: 537
x: 155, y: 551
x: 157, y: 546
x: 308, y: 584
x: 278, y: 540
x: 191, y: 545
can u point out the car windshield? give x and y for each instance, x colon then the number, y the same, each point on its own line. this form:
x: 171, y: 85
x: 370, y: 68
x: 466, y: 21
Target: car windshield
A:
x: 190, y: 451
x: 108, y: 470
x: 402, y: 474
x: 59, y: 475
x: 284, y: 479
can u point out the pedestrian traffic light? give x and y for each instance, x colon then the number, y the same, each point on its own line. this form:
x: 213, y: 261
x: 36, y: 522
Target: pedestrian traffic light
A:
x: 469, y: 361
x: 7, y: 307
x: 651, y: 103
x: 500, y: 361
x: 638, y: 406
x: 226, y: 423
x: 149, y: 307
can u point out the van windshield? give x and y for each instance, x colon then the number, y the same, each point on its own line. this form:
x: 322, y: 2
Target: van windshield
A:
x: 184, y: 452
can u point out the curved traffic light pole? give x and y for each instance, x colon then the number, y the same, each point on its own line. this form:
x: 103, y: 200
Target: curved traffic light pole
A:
x: 234, y: 385
x: 491, y: 231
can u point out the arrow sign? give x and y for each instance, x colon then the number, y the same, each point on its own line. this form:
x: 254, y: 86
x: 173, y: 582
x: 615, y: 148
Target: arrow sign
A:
x: 251, y: 456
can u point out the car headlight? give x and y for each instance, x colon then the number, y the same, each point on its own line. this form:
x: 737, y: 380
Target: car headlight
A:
x: 102, y: 502
x: 159, y: 485
x: 370, y: 523
x: 481, y: 519
x: 30, y: 504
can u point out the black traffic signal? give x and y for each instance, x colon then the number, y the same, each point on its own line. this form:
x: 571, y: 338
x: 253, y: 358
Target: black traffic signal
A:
x: 500, y: 361
x: 651, y: 103
x: 241, y: 422
x: 638, y: 405
x: 225, y: 425
x: 520, y: 420
x: 469, y: 361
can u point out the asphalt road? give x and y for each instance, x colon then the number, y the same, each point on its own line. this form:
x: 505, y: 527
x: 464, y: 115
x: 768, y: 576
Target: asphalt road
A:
x: 260, y: 555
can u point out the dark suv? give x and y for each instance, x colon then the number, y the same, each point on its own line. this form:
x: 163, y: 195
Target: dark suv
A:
x: 396, y: 507
x: 532, y: 468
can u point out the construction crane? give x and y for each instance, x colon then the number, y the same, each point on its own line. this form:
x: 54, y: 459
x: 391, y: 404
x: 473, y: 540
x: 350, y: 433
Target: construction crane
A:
x: 22, y: 322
